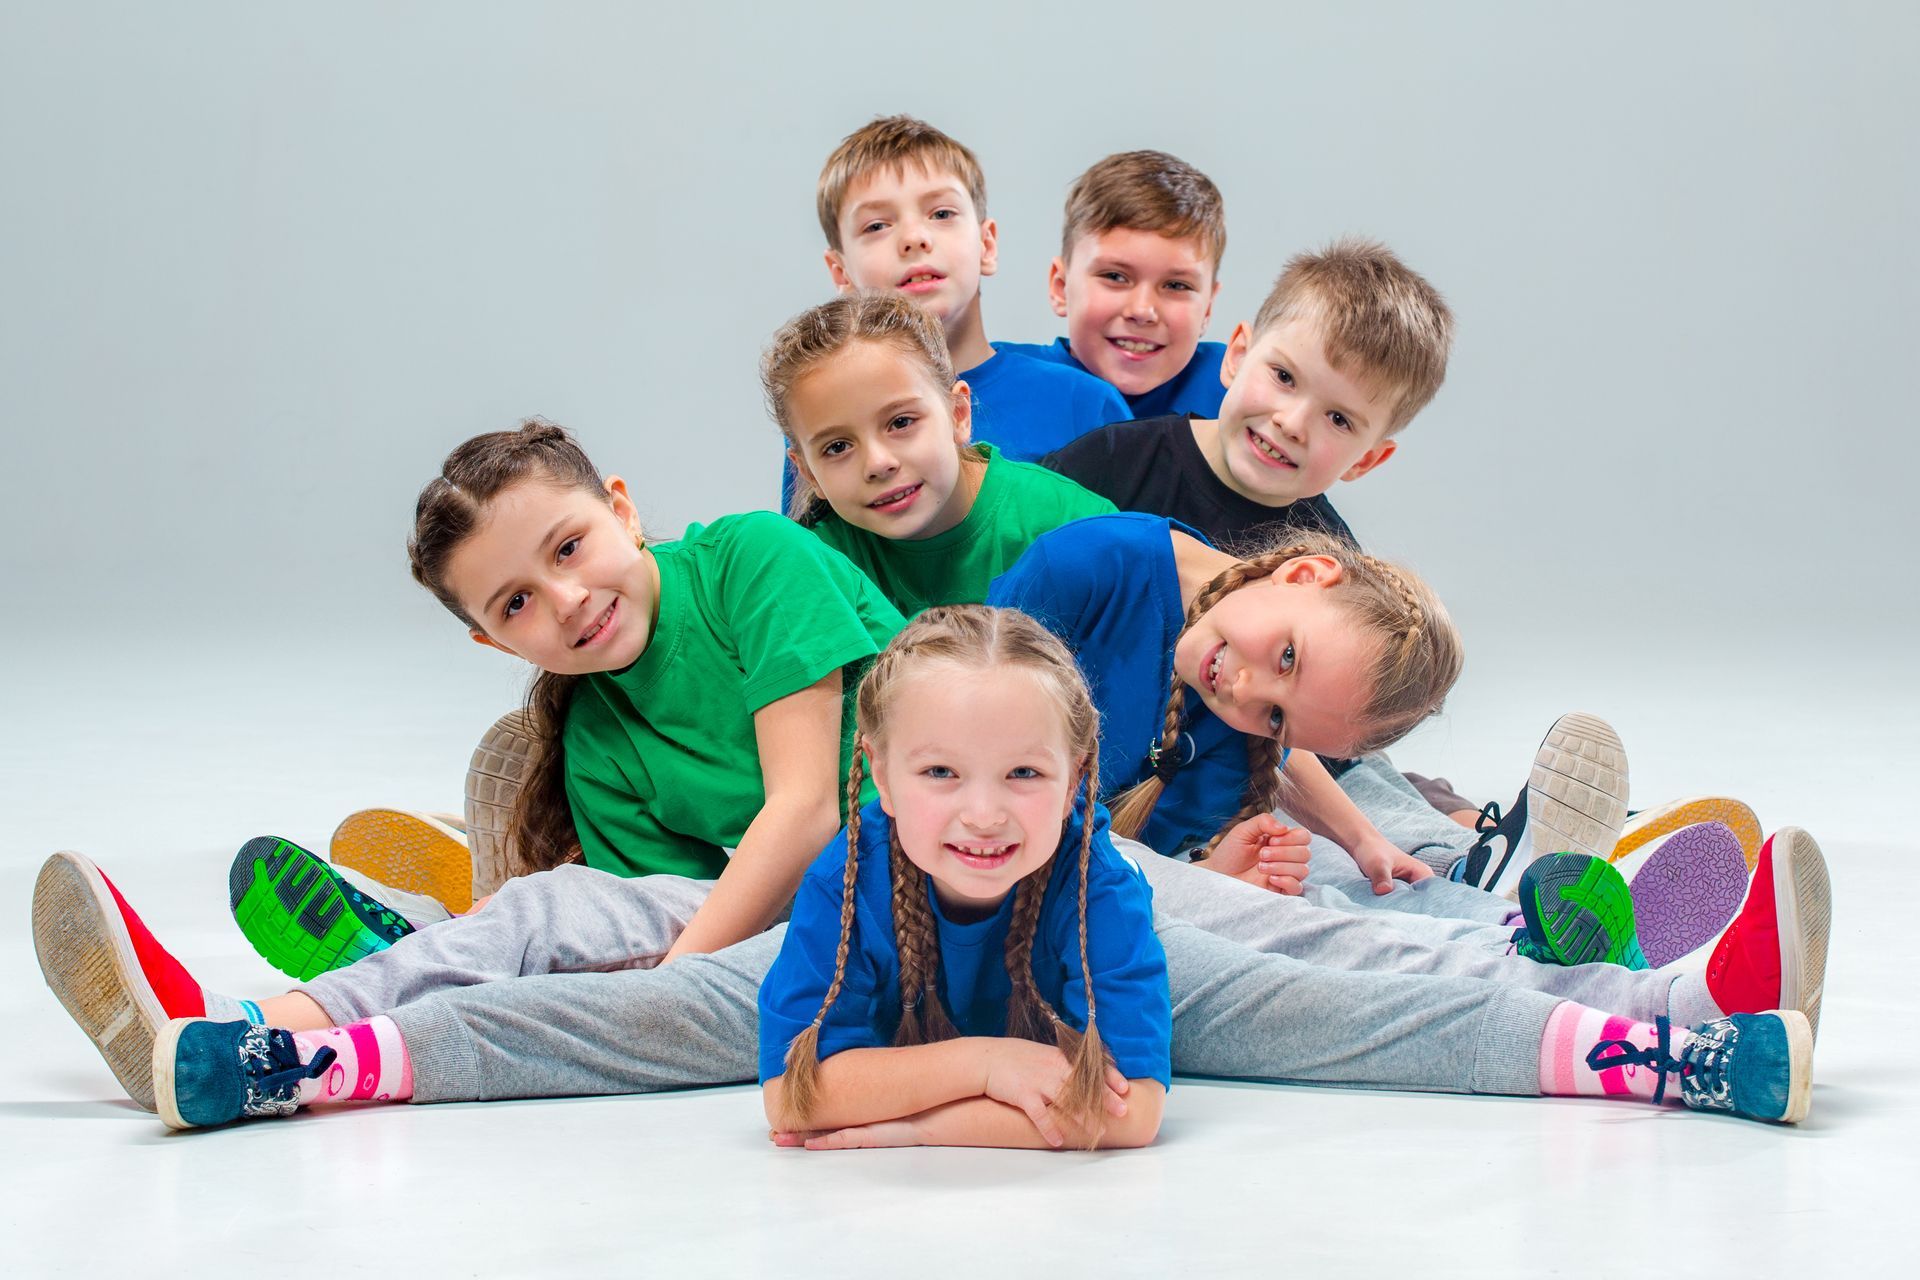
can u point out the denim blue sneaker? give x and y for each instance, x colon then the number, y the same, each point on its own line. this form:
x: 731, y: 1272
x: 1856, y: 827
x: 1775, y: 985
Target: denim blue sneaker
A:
x: 1578, y: 910
x: 1757, y: 1065
x: 207, y: 1073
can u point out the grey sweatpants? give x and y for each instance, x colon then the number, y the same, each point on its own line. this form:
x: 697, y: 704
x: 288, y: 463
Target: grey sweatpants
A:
x: 1402, y: 814
x: 554, y: 988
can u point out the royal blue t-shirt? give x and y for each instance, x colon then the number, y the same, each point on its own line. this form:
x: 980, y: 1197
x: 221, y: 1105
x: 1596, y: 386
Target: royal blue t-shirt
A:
x: 1195, y: 389
x: 1026, y: 408
x: 1107, y: 585
x: 1129, y: 969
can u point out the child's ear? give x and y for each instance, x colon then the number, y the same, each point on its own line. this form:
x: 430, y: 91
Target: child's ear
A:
x: 622, y: 503
x: 879, y: 776
x: 1370, y: 459
x: 1057, y: 286
x: 1207, y: 315
x: 1312, y: 571
x: 802, y: 470
x: 837, y: 271
x: 1237, y: 347
x: 989, y: 247
x: 961, y: 402
x: 480, y: 637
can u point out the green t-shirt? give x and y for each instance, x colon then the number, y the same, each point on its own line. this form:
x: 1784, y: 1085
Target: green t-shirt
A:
x: 661, y: 764
x: 1017, y: 502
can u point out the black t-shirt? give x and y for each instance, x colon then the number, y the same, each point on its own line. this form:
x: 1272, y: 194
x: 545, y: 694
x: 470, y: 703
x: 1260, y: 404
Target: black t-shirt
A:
x: 1155, y: 465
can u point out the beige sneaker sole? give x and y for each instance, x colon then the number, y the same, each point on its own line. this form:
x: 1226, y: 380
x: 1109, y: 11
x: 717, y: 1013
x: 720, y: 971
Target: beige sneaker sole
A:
x: 494, y: 776
x: 1577, y: 792
x: 87, y: 957
x: 1803, y: 908
x: 1800, y: 1074
x: 1644, y: 828
x: 417, y: 852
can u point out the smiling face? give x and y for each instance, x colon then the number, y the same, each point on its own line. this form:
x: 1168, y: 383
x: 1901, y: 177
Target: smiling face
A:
x: 1291, y: 424
x: 1135, y: 303
x: 555, y: 575
x: 880, y: 441
x: 976, y: 771
x: 915, y: 231
x: 1281, y: 658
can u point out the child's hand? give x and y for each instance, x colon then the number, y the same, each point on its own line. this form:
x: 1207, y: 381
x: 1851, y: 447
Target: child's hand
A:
x: 1264, y: 852
x: 1382, y: 863
x: 1027, y: 1075
x: 887, y: 1133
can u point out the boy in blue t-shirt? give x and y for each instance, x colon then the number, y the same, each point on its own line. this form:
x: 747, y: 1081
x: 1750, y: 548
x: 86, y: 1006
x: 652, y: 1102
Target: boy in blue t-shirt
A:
x: 904, y: 207
x: 1135, y: 280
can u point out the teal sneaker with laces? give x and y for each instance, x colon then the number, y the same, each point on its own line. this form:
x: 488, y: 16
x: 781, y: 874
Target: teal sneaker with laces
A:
x: 207, y: 1073
x: 1756, y: 1065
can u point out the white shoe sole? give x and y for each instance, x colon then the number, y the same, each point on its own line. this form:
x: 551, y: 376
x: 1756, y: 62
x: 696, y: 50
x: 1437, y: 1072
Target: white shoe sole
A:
x: 88, y: 959
x: 494, y: 777
x: 1577, y: 792
x: 1803, y: 916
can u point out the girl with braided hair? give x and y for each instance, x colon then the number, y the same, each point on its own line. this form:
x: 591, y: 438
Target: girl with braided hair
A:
x: 975, y: 918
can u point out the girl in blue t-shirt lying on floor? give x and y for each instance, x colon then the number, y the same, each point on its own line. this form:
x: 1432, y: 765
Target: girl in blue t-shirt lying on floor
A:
x: 971, y: 964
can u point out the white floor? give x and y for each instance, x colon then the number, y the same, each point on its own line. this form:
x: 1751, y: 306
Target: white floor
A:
x: 161, y: 779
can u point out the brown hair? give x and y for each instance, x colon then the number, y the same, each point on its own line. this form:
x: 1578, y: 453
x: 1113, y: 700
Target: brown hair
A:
x: 452, y: 506
x: 1419, y: 659
x: 1374, y: 313
x: 893, y: 143
x: 1146, y: 191
x: 971, y: 638
x: 805, y: 342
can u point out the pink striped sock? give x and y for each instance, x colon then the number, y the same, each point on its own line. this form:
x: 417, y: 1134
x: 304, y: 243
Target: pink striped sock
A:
x: 1572, y: 1032
x: 372, y: 1062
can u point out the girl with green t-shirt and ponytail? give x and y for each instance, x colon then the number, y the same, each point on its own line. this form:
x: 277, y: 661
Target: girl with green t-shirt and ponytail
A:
x: 693, y: 696
x: 880, y: 434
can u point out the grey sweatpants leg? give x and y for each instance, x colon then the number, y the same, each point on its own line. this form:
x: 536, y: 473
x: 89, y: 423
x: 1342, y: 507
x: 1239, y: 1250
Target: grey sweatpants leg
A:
x: 571, y: 919
x: 1403, y: 815
x: 1392, y: 942
x: 1238, y: 1012
x: 1332, y: 871
x: 693, y: 1022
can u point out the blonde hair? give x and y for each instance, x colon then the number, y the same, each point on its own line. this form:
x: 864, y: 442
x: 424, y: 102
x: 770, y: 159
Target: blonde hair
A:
x: 1418, y: 661
x: 1146, y: 191
x: 1374, y: 313
x: 805, y: 342
x: 971, y: 638
x: 893, y: 143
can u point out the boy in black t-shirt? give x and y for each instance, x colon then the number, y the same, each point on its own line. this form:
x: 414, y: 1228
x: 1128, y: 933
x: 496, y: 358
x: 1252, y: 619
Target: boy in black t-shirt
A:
x: 1347, y: 348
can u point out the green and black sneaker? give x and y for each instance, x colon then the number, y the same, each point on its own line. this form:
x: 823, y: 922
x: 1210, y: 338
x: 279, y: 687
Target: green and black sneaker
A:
x: 299, y: 913
x: 1578, y: 911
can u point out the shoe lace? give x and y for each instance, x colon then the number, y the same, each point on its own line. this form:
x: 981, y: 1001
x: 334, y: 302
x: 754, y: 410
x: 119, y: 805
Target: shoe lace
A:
x: 272, y: 1062
x: 1703, y: 1061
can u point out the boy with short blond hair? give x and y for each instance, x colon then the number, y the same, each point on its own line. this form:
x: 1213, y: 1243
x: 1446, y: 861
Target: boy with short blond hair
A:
x: 904, y: 208
x: 1349, y: 345
x: 1137, y: 274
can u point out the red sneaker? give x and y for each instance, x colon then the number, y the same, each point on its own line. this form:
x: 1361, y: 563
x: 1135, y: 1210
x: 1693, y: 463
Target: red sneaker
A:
x: 119, y: 984
x: 1774, y: 954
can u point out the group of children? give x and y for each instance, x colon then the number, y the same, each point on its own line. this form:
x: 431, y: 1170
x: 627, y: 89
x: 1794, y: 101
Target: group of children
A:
x: 1066, y: 662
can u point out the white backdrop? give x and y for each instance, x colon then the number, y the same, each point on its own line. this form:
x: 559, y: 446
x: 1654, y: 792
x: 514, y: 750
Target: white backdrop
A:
x: 263, y: 265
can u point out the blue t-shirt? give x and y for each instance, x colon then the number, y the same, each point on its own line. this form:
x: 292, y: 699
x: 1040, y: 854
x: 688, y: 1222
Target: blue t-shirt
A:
x: 1107, y: 585
x: 1028, y: 408
x: 1129, y: 969
x: 1025, y: 408
x: 1195, y: 389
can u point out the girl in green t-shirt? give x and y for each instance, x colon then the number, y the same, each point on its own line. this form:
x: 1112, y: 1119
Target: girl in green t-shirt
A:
x: 879, y: 431
x: 691, y: 694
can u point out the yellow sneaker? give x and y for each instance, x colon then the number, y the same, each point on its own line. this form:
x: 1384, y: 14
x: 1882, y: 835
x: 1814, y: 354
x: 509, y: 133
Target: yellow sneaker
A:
x: 1648, y: 825
x: 418, y: 852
